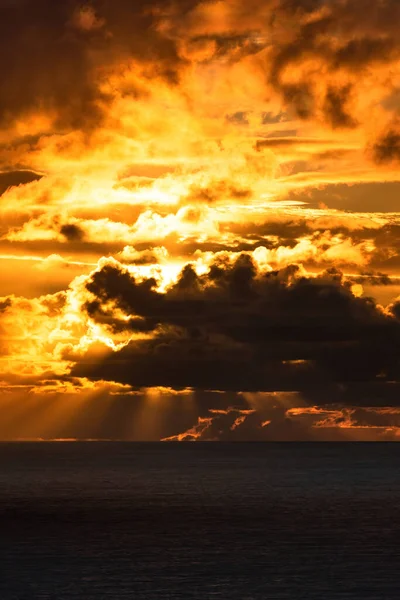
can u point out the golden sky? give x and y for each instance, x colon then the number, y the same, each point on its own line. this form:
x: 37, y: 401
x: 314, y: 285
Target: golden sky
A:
x: 199, y: 219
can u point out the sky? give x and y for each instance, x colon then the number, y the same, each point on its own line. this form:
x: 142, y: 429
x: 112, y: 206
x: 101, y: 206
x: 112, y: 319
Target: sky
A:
x: 200, y: 220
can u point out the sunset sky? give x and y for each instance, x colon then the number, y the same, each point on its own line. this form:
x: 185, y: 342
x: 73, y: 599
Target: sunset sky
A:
x: 200, y: 220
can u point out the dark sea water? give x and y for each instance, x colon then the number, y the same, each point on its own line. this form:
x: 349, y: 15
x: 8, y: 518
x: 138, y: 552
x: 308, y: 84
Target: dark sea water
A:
x: 206, y: 521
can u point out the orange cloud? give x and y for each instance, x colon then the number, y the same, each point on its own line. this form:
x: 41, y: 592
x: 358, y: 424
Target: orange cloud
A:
x: 239, y: 158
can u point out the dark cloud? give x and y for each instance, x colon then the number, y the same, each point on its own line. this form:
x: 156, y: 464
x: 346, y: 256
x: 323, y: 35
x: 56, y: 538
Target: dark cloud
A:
x: 148, y: 256
x: 216, y: 191
x: 239, y: 118
x: 387, y: 148
x: 336, y: 38
x: 235, y: 329
x: 274, y: 420
x: 54, y: 303
x: 35, y: 38
x: 300, y: 97
x: 72, y: 47
x: 229, y: 47
x: 14, y: 178
x: 335, y: 108
x: 278, y: 142
x: 375, y: 279
x: 360, y: 52
x: 358, y: 197
x: 72, y: 232
x: 387, y: 242
x: 269, y: 118
x: 69, y: 46
x: 4, y: 304
x: 234, y: 424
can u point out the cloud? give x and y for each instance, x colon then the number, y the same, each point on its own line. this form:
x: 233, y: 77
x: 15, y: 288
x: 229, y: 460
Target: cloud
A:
x: 335, y: 108
x: 235, y: 328
x: 41, y: 34
x: 387, y: 149
x: 273, y: 420
x: 295, y: 48
x: 15, y: 178
x: 4, y: 304
x: 201, y: 196
x: 72, y: 232
x: 73, y: 48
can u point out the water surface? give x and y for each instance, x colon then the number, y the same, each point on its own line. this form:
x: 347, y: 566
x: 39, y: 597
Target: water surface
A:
x: 204, y: 521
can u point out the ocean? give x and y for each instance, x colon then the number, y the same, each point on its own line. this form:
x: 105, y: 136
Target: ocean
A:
x: 199, y: 521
